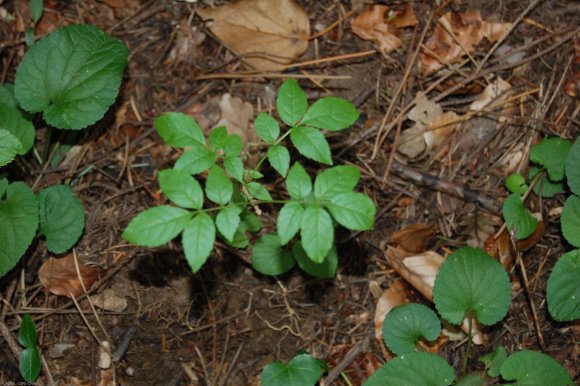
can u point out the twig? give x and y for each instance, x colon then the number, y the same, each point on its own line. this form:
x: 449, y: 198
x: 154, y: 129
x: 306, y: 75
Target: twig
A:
x: 360, y: 347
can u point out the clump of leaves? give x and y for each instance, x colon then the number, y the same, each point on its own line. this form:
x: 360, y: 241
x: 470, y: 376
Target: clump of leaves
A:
x: 228, y: 205
x: 30, y: 356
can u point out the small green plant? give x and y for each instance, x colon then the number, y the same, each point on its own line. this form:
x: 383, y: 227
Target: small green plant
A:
x: 470, y: 284
x: 558, y: 162
x: 71, y: 76
x: 303, y: 370
x: 231, y: 202
x: 30, y: 356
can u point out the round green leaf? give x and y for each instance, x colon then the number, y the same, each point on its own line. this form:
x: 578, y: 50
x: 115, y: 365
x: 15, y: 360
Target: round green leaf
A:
x: 269, y: 258
x: 551, y: 153
x: 472, y: 281
x: 532, y: 368
x: 405, y: 324
x: 218, y: 187
x: 544, y: 185
x: 27, y: 332
x: 516, y: 183
x: 316, y: 232
x: 573, y: 168
x: 72, y: 75
x: 303, y: 370
x: 12, y: 120
x: 198, y: 238
x: 570, y: 220
x: 310, y: 142
x: 353, y: 210
x: 416, y: 369
x: 517, y: 216
x: 10, y: 146
x: 18, y: 224
x: 324, y: 270
x: 218, y: 137
x: 279, y: 158
x: 335, y: 180
x: 331, y: 113
x: 61, y: 217
x: 30, y: 364
x: 298, y: 183
x: 289, y: 220
x: 156, y: 226
x: 181, y: 188
x: 197, y: 159
x: 564, y: 288
x: 267, y: 128
x: 291, y: 102
x: 228, y: 220
x: 178, y: 129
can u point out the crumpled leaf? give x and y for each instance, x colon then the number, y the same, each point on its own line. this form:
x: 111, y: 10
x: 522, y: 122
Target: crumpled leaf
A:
x: 59, y: 276
x: 412, y: 141
x: 479, y: 226
x: 236, y: 116
x: 493, y: 92
x: 413, y: 237
x: 372, y: 24
x: 468, y: 29
x: 268, y: 34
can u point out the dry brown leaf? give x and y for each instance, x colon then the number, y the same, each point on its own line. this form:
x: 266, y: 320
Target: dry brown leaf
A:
x: 413, y: 238
x: 372, y: 25
x: 108, y: 300
x: 440, y: 129
x: 493, y: 93
x: 236, y: 116
x: 479, y: 226
x: 268, y: 34
x: 412, y: 141
x: 572, y: 86
x: 467, y: 29
x: 59, y: 276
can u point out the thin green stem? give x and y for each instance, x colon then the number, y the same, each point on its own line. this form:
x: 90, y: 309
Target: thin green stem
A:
x: 469, y: 338
x: 277, y: 142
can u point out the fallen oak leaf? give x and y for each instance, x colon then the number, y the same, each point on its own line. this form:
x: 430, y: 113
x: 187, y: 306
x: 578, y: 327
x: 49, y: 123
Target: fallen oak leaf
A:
x: 59, y: 276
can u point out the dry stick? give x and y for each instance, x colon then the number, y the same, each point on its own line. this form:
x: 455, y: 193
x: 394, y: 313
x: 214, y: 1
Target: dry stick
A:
x: 231, y: 366
x: 360, y: 347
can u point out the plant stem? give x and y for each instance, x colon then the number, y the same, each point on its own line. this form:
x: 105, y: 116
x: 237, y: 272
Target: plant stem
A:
x: 261, y: 161
x: 469, y: 337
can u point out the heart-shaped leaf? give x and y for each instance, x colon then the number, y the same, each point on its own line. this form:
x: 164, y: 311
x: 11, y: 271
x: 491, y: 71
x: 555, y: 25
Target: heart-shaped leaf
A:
x: 570, y: 220
x: 517, y: 216
x: 416, y: 368
x: 551, y: 153
x: 406, y: 324
x: 564, y: 287
x: 303, y: 370
x: 534, y: 368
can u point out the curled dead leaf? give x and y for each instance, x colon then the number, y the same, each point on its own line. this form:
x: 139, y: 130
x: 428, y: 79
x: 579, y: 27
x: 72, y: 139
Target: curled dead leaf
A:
x: 59, y: 276
x: 413, y: 238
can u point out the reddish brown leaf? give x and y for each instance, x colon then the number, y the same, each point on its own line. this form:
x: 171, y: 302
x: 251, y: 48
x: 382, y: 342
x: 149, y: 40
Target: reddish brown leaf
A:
x: 59, y: 276
x: 413, y: 237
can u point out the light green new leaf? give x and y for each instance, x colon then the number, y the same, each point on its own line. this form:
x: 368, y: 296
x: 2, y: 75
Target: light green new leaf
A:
x: 316, y: 233
x: 27, y: 332
x: 258, y: 191
x: 335, y: 180
x: 72, y: 75
x: 181, y: 188
x: 267, y: 128
x: 551, y: 153
x: 269, y: 258
x: 563, y: 292
x: 517, y: 216
x: 12, y: 120
x: 289, y: 220
x: 298, y: 183
x: 18, y: 224
x: 156, y: 226
x: 30, y: 364
x: 196, y: 160
x: 570, y: 220
x: 573, y: 168
x: 413, y: 369
x: 218, y: 187
x: 405, y: 324
x: 291, y: 102
x: 310, y: 142
x: 353, y: 210
x: 235, y: 167
x: 218, y: 137
x: 324, y: 270
x: 10, y: 146
x: 228, y: 220
x: 531, y: 368
x: 198, y: 238
x: 61, y: 217
x: 516, y: 183
x: 178, y: 129
x: 233, y: 146
x: 330, y: 113
x: 279, y: 158
x: 471, y: 281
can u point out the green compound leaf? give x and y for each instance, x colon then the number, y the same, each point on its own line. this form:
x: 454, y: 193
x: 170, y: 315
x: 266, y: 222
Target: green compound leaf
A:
x: 18, y: 224
x: 544, y: 185
x: 494, y: 360
x: 331, y: 113
x: 532, y: 368
x: 416, y: 369
x: 570, y: 220
x: 218, y: 137
x: 198, y: 238
x: 291, y: 102
x: 233, y: 146
x: 12, y: 120
x: 303, y: 370
x: 324, y: 270
x: 30, y: 364
x: 61, y: 217
x: 405, y: 324
x: 72, y: 75
x: 279, y: 158
x: 267, y: 128
x: 181, y: 188
x: 269, y: 258
x: 156, y: 226
x: 289, y: 220
x: 178, y: 129
x: 316, y: 232
x: 235, y: 167
x: 196, y: 160
x: 335, y: 180
x: 27, y: 332
x: 517, y: 216
x: 353, y: 210
x: 573, y: 168
x: 298, y: 183
x: 228, y: 220
x: 10, y: 146
x: 218, y: 187
x: 472, y: 281
x: 551, y: 153
x: 258, y: 191
x: 516, y: 183
x: 310, y: 142
x: 564, y: 288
